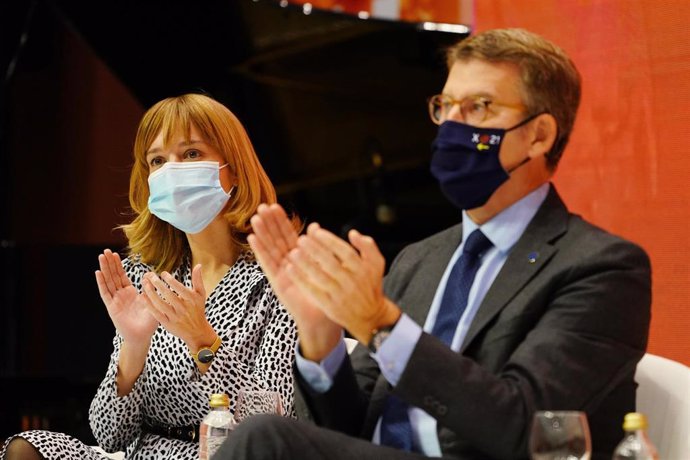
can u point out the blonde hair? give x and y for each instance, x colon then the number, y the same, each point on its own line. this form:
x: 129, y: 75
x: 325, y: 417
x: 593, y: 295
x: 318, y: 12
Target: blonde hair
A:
x: 550, y: 80
x: 157, y: 242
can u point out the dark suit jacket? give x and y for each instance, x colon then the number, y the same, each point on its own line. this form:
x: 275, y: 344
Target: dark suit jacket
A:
x: 562, y: 332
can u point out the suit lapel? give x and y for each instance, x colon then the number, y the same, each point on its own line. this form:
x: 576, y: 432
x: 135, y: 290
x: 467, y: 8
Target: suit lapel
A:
x: 530, y: 254
x: 434, y: 264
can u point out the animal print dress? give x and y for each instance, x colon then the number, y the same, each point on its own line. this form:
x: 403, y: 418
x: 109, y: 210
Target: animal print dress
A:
x: 257, y: 353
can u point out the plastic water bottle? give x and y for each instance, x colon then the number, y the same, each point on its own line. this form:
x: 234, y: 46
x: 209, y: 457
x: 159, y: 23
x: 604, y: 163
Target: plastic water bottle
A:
x: 216, y: 426
x: 635, y: 445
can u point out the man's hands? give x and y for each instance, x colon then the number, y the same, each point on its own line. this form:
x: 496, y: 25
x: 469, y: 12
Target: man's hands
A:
x: 322, y: 280
x: 273, y: 239
x: 346, y: 280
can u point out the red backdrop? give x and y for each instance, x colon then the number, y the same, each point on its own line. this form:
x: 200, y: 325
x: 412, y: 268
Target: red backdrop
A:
x: 627, y: 165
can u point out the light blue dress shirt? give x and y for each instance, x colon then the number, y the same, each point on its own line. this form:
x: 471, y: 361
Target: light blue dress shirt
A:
x: 503, y: 230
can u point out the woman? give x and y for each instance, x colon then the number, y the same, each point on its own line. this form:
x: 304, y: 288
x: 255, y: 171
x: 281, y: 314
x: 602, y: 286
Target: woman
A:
x: 194, y: 313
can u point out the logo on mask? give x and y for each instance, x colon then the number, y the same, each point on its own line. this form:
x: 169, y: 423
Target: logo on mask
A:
x: 485, y: 141
x: 465, y: 162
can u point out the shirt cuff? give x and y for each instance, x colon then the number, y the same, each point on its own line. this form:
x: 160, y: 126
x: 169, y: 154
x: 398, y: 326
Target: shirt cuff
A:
x: 395, y: 352
x: 319, y: 376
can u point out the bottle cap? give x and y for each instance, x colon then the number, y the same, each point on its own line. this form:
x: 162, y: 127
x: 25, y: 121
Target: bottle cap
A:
x: 219, y: 400
x: 634, y: 421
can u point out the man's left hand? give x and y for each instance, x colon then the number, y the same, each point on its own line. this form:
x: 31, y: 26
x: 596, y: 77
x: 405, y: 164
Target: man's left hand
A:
x: 346, y: 280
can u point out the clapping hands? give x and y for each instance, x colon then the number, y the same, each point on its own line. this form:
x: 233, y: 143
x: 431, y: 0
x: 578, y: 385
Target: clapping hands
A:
x: 127, y: 308
x: 325, y: 283
x: 179, y: 309
x: 163, y: 300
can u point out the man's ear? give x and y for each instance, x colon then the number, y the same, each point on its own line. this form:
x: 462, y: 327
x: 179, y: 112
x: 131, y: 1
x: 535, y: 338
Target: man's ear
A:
x: 543, y: 135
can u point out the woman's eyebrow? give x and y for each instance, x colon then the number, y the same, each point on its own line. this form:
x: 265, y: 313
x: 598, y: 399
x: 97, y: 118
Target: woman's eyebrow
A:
x: 181, y: 144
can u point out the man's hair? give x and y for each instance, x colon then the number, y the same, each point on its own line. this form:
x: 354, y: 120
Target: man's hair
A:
x: 550, y: 81
x: 157, y: 242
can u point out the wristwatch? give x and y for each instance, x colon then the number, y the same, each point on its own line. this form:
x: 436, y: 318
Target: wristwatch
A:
x: 378, y: 336
x: 206, y: 354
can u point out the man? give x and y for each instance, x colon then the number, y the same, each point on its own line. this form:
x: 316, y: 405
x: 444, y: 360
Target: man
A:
x: 519, y: 308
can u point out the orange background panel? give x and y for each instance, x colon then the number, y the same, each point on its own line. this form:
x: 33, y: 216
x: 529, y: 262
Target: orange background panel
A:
x: 344, y: 6
x: 429, y: 10
x: 626, y: 168
x: 408, y: 10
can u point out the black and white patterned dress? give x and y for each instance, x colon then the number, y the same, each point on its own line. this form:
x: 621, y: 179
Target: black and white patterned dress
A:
x: 257, y: 353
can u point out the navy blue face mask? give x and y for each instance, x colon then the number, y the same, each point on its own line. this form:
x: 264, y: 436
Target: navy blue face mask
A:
x: 465, y: 162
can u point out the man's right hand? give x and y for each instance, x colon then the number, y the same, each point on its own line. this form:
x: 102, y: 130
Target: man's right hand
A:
x: 272, y: 240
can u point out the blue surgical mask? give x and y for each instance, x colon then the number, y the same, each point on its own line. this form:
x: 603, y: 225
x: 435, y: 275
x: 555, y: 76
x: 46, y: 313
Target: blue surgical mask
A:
x: 187, y: 195
x: 465, y: 162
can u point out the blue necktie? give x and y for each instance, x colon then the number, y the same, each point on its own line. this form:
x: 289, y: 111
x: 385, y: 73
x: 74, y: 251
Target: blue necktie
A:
x: 396, y: 430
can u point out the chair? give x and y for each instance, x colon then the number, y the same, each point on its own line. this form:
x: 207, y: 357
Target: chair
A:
x: 663, y: 396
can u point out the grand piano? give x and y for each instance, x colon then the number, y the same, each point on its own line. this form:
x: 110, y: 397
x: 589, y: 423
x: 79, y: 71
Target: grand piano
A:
x: 336, y: 107
x: 335, y: 104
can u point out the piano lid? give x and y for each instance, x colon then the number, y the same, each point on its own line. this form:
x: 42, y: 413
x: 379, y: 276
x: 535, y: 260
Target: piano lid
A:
x: 334, y: 104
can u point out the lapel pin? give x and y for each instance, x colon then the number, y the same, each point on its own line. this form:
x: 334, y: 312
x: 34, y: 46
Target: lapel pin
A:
x: 532, y: 257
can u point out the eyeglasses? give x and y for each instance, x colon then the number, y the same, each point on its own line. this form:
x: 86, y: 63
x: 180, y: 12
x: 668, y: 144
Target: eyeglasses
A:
x: 473, y: 109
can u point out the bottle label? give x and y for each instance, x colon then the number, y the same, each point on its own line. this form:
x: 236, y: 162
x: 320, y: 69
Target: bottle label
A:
x: 210, y: 439
x: 213, y: 444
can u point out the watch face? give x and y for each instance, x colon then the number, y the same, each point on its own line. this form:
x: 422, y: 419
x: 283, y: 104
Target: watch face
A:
x: 205, y: 356
x: 378, y: 339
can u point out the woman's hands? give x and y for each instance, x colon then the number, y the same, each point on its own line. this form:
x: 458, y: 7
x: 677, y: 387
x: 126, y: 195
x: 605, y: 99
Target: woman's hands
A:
x: 127, y: 308
x: 136, y: 315
x: 179, y: 309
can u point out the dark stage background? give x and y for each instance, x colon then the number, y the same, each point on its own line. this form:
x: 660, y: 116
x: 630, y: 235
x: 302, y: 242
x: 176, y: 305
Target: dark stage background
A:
x: 335, y: 105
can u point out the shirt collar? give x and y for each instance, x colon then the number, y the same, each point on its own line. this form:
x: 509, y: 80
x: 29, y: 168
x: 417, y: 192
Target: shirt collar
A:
x: 506, y: 227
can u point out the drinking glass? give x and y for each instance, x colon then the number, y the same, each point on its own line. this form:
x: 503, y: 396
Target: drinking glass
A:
x: 560, y: 435
x: 250, y: 402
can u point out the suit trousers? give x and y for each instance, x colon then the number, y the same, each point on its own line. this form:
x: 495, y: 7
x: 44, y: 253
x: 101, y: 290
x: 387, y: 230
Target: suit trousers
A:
x: 263, y: 437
